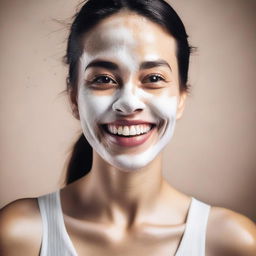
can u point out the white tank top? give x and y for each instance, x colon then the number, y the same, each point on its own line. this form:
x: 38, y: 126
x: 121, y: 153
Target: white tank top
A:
x: 56, y: 241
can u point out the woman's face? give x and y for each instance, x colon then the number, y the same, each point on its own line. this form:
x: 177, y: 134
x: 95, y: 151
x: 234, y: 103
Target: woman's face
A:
x: 128, y: 90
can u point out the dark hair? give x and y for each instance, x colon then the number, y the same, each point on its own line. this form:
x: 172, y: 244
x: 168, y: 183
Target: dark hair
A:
x: 91, y: 13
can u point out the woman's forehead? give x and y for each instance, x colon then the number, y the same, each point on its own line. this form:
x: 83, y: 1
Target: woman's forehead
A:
x: 131, y: 32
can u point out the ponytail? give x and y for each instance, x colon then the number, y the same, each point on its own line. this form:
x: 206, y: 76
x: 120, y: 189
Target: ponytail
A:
x: 81, y: 160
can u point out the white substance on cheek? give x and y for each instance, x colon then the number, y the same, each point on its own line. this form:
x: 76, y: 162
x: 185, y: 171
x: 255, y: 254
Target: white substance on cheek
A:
x: 164, y: 107
x: 97, y: 109
x: 94, y: 109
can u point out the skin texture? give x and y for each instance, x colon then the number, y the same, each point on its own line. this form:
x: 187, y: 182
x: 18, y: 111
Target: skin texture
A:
x: 131, y: 95
x: 117, y: 209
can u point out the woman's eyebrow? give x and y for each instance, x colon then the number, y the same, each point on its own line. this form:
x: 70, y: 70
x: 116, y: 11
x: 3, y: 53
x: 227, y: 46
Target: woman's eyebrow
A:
x: 102, y: 64
x: 153, y: 64
x: 113, y: 66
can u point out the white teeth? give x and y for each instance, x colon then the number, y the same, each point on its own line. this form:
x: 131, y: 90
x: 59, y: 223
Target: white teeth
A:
x: 132, y: 130
x: 119, y: 130
x: 146, y: 129
x: 114, y: 130
x: 129, y: 130
x: 126, y: 131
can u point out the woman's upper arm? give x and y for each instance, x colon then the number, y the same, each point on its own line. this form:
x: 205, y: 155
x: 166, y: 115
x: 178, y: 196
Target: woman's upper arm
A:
x: 20, y: 228
x: 230, y: 233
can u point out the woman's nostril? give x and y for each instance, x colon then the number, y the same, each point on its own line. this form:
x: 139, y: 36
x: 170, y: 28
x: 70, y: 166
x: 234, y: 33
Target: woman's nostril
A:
x: 128, y: 105
x: 127, y: 110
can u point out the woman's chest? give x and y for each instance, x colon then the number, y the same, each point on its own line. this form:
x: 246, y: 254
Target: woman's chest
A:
x: 150, y: 241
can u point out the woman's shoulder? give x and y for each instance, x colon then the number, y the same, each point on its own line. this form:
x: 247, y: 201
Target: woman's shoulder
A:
x: 230, y: 233
x: 20, y: 228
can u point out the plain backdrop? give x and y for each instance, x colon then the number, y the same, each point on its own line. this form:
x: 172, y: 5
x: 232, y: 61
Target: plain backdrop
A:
x: 213, y: 153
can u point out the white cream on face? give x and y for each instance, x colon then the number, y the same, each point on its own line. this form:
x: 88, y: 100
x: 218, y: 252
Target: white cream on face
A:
x: 127, y: 41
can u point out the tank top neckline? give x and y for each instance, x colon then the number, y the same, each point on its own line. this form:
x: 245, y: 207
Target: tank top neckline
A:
x: 72, y: 247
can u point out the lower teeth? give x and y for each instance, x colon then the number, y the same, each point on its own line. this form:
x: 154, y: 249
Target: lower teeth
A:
x: 128, y: 136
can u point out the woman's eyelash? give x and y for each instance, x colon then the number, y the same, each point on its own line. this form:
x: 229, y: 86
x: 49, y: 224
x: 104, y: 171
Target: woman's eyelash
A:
x: 103, y: 79
x: 154, y: 78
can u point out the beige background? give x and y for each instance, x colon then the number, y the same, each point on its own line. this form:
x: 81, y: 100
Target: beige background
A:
x: 213, y: 153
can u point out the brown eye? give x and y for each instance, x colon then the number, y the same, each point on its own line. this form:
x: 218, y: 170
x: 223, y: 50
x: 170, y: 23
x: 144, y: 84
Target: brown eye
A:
x: 104, y: 80
x: 153, y: 79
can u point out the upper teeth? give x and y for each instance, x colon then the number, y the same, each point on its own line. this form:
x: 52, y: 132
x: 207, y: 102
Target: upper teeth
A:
x: 129, y: 130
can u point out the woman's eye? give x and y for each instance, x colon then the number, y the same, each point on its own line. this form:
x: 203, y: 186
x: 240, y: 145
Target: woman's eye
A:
x: 153, y: 79
x: 103, y: 80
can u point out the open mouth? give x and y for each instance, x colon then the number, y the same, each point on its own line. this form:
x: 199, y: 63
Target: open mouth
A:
x: 130, y: 134
x: 128, y: 130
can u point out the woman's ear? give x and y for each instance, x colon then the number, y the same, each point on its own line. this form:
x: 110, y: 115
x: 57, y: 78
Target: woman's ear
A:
x: 73, y: 102
x: 181, y: 104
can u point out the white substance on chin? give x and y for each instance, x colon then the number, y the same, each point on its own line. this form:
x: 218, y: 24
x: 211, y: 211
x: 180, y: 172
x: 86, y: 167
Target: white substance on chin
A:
x: 166, y: 107
x: 95, y: 109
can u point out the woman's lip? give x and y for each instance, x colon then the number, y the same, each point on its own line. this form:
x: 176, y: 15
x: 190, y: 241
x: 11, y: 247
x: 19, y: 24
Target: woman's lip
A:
x: 124, y: 122
x: 129, y: 141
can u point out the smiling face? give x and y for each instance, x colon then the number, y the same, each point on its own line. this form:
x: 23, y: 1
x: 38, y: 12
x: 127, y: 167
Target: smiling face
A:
x: 128, y: 90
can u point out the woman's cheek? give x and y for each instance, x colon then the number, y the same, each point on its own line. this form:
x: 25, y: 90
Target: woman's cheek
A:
x: 164, y: 107
x: 89, y: 103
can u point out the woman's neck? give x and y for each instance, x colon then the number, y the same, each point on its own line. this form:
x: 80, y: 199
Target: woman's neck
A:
x: 120, y: 196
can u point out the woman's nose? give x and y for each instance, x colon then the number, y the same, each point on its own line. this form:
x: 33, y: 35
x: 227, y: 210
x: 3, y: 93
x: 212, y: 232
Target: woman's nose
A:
x: 128, y: 103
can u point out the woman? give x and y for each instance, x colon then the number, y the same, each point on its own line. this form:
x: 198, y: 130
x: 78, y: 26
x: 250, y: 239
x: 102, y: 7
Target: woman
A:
x: 128, y: 63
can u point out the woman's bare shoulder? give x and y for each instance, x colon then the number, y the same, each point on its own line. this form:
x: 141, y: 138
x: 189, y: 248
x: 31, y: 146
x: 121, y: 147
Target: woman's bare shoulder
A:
x: 230, y: 233
x: 20, y: 228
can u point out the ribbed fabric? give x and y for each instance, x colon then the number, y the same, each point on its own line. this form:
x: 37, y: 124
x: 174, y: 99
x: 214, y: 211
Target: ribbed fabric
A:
x: 56, y: 241
x: 193, y: 240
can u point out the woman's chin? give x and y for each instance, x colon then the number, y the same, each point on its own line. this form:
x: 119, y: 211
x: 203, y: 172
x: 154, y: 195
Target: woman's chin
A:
x: 131, y: 162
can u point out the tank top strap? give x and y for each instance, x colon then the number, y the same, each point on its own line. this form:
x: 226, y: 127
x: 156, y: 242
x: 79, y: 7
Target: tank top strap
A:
x: 55, y: 239
x: 194, y: 237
